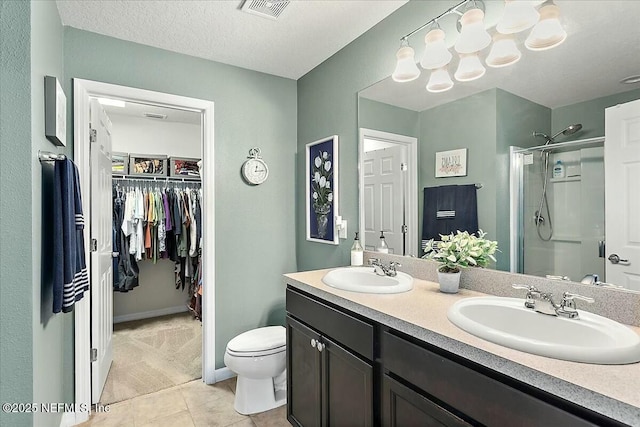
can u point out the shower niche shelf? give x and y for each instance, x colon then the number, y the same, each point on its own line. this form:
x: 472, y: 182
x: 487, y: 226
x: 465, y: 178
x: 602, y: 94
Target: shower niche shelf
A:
x: 567, y: 179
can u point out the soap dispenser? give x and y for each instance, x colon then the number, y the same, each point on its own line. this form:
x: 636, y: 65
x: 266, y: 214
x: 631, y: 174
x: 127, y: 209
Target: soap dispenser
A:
x: 357, y: 253
x: 558, y: 170
x: 382, y: 244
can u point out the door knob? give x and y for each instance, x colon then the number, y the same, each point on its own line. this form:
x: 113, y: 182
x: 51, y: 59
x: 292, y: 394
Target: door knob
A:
x: 615, y: 259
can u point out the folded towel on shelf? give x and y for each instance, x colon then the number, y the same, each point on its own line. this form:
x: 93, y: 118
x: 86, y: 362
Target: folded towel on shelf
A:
x: 70, y: 277
x: 449, y: 208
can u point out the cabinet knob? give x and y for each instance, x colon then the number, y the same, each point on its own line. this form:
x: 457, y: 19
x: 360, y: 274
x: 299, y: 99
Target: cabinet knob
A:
x: 320, y: 346
x: 313, y: 342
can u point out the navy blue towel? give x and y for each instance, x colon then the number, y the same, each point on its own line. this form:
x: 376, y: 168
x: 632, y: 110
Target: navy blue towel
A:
x: 449, y: 208
x: 70, y: 278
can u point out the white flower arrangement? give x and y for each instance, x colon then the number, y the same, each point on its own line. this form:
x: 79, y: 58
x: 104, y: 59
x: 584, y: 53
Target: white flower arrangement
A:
x: 461, y: 250
x: 321, y: 181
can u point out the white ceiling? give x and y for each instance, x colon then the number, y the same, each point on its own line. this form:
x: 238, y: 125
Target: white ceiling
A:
x: 602, y: 47
x: 306, y: 33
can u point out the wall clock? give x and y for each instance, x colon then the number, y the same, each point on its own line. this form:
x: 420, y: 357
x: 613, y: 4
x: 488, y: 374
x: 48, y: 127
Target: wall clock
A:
x: 254, y: 169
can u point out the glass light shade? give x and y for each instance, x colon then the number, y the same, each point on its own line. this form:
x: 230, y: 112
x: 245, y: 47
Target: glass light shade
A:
x: 436, y: 54
x: 439, y: 81
x: 406, y: 68
x: 473, y: 36
x: 504, y: 52
x: 469, y: 68
x: 518, y: 15
x: 548, y: 32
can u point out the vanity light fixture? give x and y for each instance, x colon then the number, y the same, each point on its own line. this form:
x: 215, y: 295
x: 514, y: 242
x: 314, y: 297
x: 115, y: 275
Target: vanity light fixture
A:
x: 439, y: 81
x: 406, y: 68
x: 548, y: 32
x: 436, y: 55
x: 473, y: 36
x: 504, y: 51
x: 469, y: 68
x: 519, y: 15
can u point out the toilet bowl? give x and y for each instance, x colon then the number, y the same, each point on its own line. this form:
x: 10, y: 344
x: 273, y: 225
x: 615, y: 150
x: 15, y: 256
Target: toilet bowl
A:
x: 258, y: 357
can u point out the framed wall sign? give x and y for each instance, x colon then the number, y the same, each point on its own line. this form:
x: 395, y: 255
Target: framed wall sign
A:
x: 451, y: 163
x: 55, y: 112
x: 322, y: 190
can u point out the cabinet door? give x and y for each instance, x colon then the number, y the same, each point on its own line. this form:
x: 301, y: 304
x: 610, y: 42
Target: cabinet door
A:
x: 303, y: 376
x: 347, y: 388
x: 403, y: 407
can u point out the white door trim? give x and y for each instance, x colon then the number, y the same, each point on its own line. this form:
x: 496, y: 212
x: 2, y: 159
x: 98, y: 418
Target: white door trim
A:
x: 83, y: 89
x: 412, y: 150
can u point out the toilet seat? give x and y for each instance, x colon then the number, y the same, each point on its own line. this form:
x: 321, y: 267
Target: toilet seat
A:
x: 258, y: 342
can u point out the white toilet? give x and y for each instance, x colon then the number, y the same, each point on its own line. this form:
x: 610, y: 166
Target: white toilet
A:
x: 259, y: 358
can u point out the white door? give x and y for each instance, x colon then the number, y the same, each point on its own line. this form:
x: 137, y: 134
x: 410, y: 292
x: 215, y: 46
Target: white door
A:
x: 385, y: 197
x: 101, y: 255
x: 622, y: 194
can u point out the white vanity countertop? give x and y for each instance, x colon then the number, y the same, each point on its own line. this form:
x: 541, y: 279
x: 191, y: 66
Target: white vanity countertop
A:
x: 612, y: 390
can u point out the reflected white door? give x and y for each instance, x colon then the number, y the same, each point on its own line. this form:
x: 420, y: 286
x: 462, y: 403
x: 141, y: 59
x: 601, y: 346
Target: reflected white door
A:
x: 622, y: 194
x: 384, y: 201
x: 101, y: 255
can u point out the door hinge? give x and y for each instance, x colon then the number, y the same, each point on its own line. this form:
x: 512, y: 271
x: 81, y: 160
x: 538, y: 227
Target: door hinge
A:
x: 93, y: 135
x: 404, y: 167
x: 94, y: 354
x: 94, y: 245
x: 404, y: 229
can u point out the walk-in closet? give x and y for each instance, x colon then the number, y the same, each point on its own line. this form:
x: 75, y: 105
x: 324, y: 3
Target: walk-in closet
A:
x: 157, y: 223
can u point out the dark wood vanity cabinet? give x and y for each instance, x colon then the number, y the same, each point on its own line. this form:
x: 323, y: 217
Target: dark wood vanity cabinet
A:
x: 368, y: 374
x: 328, y: 382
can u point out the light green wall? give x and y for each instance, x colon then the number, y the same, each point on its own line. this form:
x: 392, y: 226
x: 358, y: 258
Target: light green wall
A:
x: 53, y: 366
x: 255, y: 237
x: 16, y: 269
x: 466, y: 123
x: 387, y: 118
x: 327, y: 105
x: 589, y: 113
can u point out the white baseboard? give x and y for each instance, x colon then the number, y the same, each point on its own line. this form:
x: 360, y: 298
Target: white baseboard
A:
x: 149, y: 314
x: 224, y: 374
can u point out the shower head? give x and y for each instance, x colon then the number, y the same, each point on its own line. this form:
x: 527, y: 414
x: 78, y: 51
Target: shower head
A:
x: 569, y: 130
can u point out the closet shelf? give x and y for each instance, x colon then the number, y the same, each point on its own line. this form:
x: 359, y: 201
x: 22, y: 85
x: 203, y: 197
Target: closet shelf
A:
x: 156, y: 178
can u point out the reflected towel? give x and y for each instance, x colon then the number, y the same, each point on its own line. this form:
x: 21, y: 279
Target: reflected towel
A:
x: 449, y: 208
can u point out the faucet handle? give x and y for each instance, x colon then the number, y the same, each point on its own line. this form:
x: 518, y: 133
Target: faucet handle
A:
x: 532, y: 294
x: 568, y: 296
x: 525, y: 287
x: 394, y: 264
x: 374, y: 261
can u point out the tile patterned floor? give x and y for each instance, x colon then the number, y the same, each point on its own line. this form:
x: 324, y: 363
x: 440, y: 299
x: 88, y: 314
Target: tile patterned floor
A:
x: 193, y: 404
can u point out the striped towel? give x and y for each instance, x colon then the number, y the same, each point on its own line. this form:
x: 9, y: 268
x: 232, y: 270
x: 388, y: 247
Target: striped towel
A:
x: 70, y: 279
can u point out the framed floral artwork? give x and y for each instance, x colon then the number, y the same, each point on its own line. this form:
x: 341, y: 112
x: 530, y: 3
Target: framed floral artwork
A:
x: 322, y: 190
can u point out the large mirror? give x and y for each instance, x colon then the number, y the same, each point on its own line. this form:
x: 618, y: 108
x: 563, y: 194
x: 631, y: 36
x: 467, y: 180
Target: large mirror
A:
x: 494, y: 119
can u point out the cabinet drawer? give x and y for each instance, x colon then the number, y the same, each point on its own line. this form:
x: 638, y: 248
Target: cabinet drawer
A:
x: 343, y: 328
x: 481, y: 398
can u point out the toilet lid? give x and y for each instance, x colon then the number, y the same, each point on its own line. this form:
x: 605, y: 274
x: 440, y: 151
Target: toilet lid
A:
x: 259, y: 340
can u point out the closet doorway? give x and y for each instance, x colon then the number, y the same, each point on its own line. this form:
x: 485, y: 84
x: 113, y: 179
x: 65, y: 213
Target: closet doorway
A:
x: 93, y: 340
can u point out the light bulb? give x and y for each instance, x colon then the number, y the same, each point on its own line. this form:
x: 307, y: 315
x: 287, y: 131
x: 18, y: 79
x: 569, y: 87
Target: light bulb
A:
x: 518, y: 15
x: 439, y: 81
x: 504, y: 52
x: 548, y: 32
x: 436, y: 54
x: 473, y: 37
x: 406, y: 68
x: 470, y: 68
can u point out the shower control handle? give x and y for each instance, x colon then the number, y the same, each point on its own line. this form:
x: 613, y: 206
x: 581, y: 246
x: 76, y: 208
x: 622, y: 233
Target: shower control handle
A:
x: 615, y: 259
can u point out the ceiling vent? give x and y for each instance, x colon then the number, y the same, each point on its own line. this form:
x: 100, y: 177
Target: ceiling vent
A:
x: 271, y: 9
x: 155, y: 116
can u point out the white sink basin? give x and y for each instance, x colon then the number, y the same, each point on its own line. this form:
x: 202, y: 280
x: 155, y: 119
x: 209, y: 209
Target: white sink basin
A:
x: 364, y: 279
x: 506, y: 321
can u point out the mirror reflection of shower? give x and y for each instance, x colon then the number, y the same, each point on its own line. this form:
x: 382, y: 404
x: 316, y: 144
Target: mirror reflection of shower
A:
x: 538, y: 217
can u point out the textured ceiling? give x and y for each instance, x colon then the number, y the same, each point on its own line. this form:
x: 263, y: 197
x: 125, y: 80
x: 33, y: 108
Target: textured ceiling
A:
x: 602, y: 47
x: 307, y: 33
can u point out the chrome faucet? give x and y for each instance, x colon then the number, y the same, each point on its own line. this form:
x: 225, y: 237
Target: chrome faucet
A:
x: 382, y: 270
x: 566, y: 307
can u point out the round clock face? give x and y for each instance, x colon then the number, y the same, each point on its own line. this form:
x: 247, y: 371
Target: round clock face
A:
x: 255, y: 171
